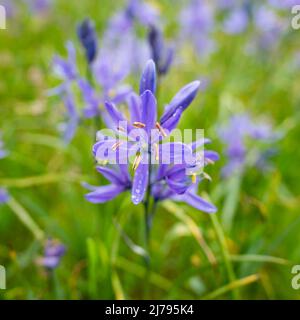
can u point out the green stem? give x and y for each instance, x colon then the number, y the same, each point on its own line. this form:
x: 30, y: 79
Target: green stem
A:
x: 225, y: 254
x: 26, y: 219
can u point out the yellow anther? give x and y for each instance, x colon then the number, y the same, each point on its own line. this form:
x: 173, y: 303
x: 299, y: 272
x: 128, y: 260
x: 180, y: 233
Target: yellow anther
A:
x: 161, y: 129
x: 206, y: 176
x: 194, y: 178
x: 116, y: 145
x: 120, y: 129
x: 139, y: 125
x: 156, y: 150
x: 209, y: 161
x: 136, y: 161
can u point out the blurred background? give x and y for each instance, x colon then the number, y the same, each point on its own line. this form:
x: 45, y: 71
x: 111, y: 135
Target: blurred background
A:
x: 56, y: 245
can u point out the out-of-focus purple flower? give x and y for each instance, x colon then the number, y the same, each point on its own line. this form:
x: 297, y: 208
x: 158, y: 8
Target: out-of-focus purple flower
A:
x: 235, y: 136
x: 39, y: 5
x: 65, y: 69
x: 88, y: 38
x: 141, y: 11
x: 225, y: 4
x: 162, y: 55
x: 283, y: 4
x: 269, y: 28
x: 3, y: 152
x: 148, y: 148
x: 4, y: 196
x: 92, y: 101
x: 72, y: 118
x: 236, y: 22
x: 197, y: 23
x: 53, y: 253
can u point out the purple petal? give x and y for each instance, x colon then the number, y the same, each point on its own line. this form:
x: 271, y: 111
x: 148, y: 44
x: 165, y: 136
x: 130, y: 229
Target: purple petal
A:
x: 110, y: 175
x: 211, y: 155
x: 104, y: 193
x: 148, y: 79
x: 140, y: 183
x: 149, y: 110
x: 196, y: 144
x: 121, y: 94
x: 172, y: 122
x: 115, y: 115
x: 175, y: 153
x: 179, y: 187
x: 134, y: 104
x: 198, y: 202
x: 90, y: 98
x: 182, y: 99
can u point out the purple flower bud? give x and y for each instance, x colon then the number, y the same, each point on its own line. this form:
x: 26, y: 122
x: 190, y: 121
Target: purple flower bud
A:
x: 161, y: 55
x: 88, y: 38
x: 148, y: 79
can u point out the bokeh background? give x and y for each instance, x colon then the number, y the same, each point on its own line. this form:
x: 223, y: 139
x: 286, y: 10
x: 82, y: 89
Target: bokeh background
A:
x: 190, y: 250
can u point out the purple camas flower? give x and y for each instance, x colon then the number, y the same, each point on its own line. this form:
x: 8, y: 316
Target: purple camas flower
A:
x: 197, y: 23
x: 65, y: 69
x: 144, y: 139
x: 269, y: 26
x: 53, y: 253
x: 88, y: 38
x: 239, y: 136
x: 237, y: 21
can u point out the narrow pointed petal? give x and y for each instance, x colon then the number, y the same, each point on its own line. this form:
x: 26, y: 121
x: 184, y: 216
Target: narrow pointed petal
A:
x: 115, y: 114
x: 140, y: 183
x: 124, y: 172
x: 134, y: 104
x: 104, y: 193
x: 211, y: 155
x: 110, y: 175
x: 148, y: 79
x: 175, y: 153
x: 182, y: 99
x: 172, y: 122
x: 196, y: 144
x: 179, y: 187
x: 198, y: 202
x: 121, y: 94
x: 149, y: 110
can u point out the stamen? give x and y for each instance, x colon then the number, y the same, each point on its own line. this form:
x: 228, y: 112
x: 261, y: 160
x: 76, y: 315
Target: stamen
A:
x: 206, y: 176
x: 120, y: 129
x: 156, y: 151
x: 194, y: 178
x: 209, y: 161
x: 116, y: 145
x: 139, y: 125
x: 161, y: 129
x: 137, y: 161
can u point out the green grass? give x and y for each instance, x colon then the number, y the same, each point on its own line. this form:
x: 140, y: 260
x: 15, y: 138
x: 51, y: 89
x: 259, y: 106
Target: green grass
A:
x: 194, y: 255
